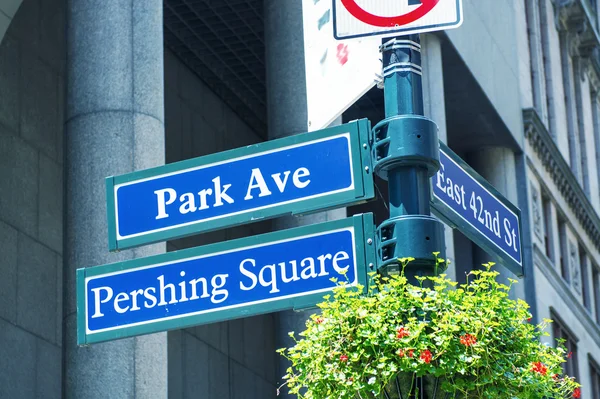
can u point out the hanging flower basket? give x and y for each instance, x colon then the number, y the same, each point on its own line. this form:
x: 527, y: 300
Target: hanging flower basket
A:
x: 410, y: 386
x: 434, y: 340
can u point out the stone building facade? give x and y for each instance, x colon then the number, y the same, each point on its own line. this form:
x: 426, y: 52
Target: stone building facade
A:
x: 94, y: 88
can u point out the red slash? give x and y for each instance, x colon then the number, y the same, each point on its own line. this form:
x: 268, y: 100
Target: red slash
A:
x: 400, y: 20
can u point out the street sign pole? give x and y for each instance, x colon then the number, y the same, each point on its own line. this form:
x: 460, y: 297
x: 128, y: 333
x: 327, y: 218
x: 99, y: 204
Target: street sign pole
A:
x: 406, y: 154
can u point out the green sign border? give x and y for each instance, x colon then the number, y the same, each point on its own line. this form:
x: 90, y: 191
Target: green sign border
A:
x: 451, y: 218
x: 361, y: 169
x: 365, y: 255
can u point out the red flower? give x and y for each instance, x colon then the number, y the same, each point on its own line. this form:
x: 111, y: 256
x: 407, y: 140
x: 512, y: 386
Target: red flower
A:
x: 569, y: 355
x: 401, y: 352
x: 402, y: 333
x: 539, y: 367
x: 577, y: 393
x: 426, y: 356
x: 411, y: 353
x: 468, y: 340
x: 555, y: 376
x: 319, y: 320
x: 343, y: 358
x: 529, y: 319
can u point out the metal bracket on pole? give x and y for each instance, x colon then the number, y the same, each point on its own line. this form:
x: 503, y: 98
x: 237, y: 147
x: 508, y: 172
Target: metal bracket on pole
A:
x: 405, y: 152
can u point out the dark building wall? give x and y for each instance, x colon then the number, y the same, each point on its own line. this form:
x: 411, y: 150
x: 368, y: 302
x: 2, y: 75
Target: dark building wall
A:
x: 224, y: 360
x: 229, y: 360
x: 32, y: 70
x: 488, y: 44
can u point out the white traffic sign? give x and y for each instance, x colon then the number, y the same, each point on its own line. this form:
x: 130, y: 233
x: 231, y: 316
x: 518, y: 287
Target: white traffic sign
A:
x: 337, y: 72
x: 358, y: 18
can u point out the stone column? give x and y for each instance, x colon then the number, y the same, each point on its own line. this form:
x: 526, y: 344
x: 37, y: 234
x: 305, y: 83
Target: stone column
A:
x: 434, y: 105
x: 498, y: 166
x: 286, y: 99
x: 115, y: 125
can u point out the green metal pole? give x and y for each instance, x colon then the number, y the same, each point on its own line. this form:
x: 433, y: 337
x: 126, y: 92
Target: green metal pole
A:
x: 406, y: 154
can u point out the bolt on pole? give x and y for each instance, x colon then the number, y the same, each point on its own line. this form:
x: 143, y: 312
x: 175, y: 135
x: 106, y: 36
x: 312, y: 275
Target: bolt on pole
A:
x: 406, y: 154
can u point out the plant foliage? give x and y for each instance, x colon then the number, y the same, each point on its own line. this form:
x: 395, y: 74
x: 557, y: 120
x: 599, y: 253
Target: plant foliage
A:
x: 473, y: 337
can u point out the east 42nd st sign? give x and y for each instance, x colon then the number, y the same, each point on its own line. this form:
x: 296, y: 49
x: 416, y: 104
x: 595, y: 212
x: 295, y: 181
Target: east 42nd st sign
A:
x: 464, y: 199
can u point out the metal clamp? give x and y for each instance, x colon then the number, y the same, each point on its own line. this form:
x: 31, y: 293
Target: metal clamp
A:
x: 405, y: 140
x: 416, y: 236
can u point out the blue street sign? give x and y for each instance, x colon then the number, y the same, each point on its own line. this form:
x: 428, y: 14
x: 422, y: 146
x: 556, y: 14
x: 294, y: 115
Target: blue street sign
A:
x: 266, y: 273
x: 465, y: 200
x: 298, y: 174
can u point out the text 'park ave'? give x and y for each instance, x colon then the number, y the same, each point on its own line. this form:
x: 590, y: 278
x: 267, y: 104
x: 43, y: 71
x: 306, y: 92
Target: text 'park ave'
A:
x: 168, y: 199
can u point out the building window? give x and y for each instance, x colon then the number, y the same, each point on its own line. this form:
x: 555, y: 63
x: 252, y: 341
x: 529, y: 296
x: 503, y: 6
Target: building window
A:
x: 585, y: 281
x: 596, y: 287
x: 595, y: 378
x: 570, y: 104
x: 594, y: 10
x: 564, y: 249
x: 547, y: 214
x: 581, y: 128
x: 570, y: 367
x: 596, y: 119
x: 550, y: 97
x: 537, y: 70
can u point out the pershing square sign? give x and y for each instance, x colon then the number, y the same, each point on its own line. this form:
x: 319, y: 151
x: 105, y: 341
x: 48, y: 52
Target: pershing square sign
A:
x: 260, y: 274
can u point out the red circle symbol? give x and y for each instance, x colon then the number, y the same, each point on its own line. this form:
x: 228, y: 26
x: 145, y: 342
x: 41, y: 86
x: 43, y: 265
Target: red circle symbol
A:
x: 377, y: 20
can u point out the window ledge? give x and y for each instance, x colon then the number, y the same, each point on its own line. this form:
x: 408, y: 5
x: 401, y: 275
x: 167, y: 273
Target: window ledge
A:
x: 577, y: 16
x: 564, y: 179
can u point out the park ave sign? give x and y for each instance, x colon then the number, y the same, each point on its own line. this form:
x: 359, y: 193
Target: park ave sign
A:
x: 292, y: 175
